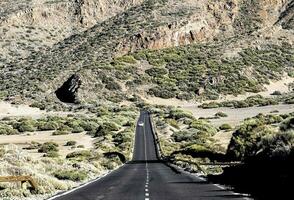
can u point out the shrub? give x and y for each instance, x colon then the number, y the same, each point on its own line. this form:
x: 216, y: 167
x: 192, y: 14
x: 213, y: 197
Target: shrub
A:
x: 105, y: 129
x: 277, y: 93
x: 165, y: 93
x: 288, y: 124
x: 203, y: 126
x: 71, y: 143
x: 25, y: 126
x: 179, y: 114
x: 221, y: 114
x: 48, y: 147
x: 47, y: 126
x: 7, y: 130
x: 60, y: 133
x: 121, y: 138
x: 126, y: 59
x: 225, y: 127
x: 77, y: 129
x: 81, y: 146
x: 173, y: 123
x: 89, y: 126
x: 244, y: 142
x: 79, y: 154
x: 72, y: 175
x: 185, y: 135
x: 156, y: 72
x: 52, y: 154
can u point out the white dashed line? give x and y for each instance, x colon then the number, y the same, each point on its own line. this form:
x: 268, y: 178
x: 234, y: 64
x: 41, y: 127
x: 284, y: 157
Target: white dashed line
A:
x: 146, y: 165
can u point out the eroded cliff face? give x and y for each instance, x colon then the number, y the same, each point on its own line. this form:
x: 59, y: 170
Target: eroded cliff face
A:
x: 107, y: 28
x: 207, y: 20
x: 33, y: 25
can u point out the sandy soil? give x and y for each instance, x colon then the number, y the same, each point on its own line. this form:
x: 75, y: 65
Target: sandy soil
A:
x: 235, y: 116
x: 46, y: 136
x: 9, y: 110
x: 281, y: 86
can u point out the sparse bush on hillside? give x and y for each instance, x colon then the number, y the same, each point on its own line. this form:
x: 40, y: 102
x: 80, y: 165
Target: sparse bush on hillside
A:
x: 220, y: 114
x: 52, y: 154
x: 126, y: 59
x: 89, y: 125
x: 83, y: 154
x: 179, y: 114
x: 203, y: 126
x: 71, y: 143
x: 60, y: 133
x: 288, y: 124
x: 48, y: 147
x: 7, y: 130
x: 73, y: 175
x: 245, y: 142
x: 25, y: 126
x: 225, y: 127
x: 47, y: 126
x: 256, y: 100
x: 77, y: 129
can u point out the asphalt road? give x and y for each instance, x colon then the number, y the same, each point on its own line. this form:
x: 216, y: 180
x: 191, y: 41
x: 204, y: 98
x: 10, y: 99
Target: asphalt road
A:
x: 148, y: 178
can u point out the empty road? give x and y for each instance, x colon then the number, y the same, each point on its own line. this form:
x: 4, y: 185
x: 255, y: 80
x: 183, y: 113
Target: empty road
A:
x: 147, y: 178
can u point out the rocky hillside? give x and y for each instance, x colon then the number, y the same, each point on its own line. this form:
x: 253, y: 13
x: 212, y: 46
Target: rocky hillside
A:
x: 102, y: 43
x: 29, y: 26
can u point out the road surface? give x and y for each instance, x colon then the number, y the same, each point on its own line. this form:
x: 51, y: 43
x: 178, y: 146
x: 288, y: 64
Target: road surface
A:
x: 148, y: 178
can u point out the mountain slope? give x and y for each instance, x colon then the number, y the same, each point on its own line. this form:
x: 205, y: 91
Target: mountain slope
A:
x: 95, y: 54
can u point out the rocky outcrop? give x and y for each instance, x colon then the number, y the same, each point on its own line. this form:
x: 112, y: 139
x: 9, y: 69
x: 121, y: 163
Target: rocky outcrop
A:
x: 34, y: 25
x: 68, y: 92
x: 287, y: 16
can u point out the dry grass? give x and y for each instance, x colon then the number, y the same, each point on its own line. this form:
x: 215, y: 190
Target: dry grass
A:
x: 15, y: 161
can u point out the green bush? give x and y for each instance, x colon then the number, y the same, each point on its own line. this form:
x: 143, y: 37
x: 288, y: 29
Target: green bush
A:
x: 60, y: 133
x: 73, y: 175
x: 7, y: 130
x: 79, y: 154
x: 288, y: 124
x: 162, y: 92
x: 71, y: 143
x: 203, y: 126
x: 225, y: 127
x: 48, y: 147
x: 77, y: 129
x: 47, y: 126
x: 221, y: 114
x: 185, y: 135
x: 106, y: 128
x: 126, y: 59
x: 89, y: 126
x: 25, y: 126
x: 173, y: 123
x: 121, y: 138
x: 52, y: 154
x: 156, y: 72
x: 246, y: 138
x: 179, y: 114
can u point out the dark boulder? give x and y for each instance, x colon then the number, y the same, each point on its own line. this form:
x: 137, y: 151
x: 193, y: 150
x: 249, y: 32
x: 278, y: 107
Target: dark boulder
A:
x: 67, y: 93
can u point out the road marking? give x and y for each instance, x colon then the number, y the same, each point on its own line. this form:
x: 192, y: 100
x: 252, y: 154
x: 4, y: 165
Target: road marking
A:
x: 146, y: 198
x: 147, y: 194
x: 219, y: 186
x: 146, y: 190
